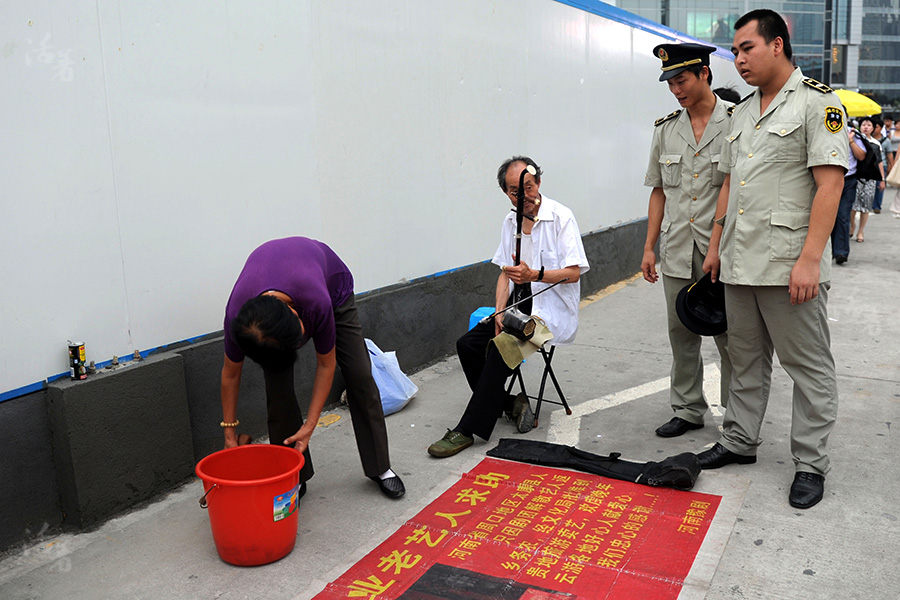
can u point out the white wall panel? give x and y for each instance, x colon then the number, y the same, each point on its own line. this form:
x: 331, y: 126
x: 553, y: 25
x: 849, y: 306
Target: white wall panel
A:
x: 61, y: 274
x: 210, y: 105
x: 150, y: 146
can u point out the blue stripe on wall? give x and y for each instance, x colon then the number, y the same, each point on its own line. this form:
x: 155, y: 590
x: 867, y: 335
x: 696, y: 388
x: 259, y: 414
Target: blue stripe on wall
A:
x: 620, y: 15
x: 39, y: 385
x: 25, y: 389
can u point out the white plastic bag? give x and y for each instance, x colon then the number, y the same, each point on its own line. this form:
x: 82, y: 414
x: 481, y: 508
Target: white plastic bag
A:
x: 396, y: 388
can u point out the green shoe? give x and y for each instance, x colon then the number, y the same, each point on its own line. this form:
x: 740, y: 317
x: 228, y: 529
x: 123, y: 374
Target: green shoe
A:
x: 452, y: 443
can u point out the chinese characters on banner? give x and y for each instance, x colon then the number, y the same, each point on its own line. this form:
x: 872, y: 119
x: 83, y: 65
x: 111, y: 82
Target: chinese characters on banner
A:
x: 532, y: 532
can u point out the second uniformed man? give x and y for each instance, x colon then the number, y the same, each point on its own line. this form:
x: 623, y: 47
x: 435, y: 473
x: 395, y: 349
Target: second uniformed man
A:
x: 785, y: 156
x: 685, y: 179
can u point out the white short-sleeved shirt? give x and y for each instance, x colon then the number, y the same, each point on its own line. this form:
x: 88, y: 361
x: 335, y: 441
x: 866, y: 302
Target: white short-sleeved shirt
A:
x: 556, y: 242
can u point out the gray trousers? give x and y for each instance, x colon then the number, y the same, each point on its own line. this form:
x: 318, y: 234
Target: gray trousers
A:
x: 363, y: 398
x: 761, y: 319
x: 686, y: 376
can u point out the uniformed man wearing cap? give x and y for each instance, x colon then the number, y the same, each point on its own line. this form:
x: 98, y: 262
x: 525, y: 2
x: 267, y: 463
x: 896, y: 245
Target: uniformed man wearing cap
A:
x: 685, y: 179
x: 785, y: 156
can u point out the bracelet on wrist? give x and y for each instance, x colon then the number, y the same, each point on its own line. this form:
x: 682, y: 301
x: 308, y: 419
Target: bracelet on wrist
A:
x: 234, y: 423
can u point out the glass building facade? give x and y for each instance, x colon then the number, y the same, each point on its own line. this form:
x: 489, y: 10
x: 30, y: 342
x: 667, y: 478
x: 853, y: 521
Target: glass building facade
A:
x: 842, y: 27
x: 845, y: 43
x: 879, y: 51
x: 713, y: 21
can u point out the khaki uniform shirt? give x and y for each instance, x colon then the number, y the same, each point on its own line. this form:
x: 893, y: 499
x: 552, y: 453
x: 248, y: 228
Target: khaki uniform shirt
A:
x: 769, y: 157
x: 687, y: 172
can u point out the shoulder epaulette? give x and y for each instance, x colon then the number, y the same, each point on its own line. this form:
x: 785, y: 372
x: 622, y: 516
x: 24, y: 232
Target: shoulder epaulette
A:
x: 817, y: 85
x: 668, y: 117
x: 731, y: 108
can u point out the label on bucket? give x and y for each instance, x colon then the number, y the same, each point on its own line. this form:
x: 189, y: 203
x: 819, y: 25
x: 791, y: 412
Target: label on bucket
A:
x: 285, y: 504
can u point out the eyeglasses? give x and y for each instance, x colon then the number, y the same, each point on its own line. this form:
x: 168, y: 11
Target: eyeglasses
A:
x: 513, y: 192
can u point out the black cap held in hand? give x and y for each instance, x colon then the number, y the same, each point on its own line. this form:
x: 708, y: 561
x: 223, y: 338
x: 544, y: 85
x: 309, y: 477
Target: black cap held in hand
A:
x: 701, y: 306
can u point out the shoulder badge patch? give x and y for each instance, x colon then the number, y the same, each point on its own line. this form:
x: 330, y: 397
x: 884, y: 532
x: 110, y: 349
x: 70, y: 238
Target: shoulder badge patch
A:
x: 668, y: 117
x: 834, y: 119
x: 817, y: 85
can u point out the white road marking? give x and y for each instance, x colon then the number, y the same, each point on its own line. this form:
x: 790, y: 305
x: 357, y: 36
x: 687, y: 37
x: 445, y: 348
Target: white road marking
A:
x: 711, y: 389
x: 564, y: 429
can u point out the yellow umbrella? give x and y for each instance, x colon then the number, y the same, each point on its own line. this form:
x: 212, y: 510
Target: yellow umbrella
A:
x: 858, y: 105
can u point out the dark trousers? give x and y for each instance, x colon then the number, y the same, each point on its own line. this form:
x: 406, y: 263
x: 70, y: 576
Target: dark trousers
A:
x: 879, y: 197
x: 840, y: 234
x: 363, y: 398
x: 487, y: 374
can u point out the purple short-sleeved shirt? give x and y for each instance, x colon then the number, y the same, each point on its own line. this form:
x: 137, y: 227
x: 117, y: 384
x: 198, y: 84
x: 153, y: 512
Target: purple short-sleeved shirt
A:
x: 306, y: 270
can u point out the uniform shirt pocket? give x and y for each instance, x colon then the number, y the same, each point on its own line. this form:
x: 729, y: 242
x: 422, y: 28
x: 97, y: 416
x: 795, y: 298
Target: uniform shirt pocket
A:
x: 718, y: 177
x: 787, y: 143
x: 664, y: 236
x: 670, y: 167
x: 734, y: 148
x: 787, y: 234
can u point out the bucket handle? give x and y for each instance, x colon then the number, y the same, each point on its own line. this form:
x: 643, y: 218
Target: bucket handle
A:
x: 203, y: 502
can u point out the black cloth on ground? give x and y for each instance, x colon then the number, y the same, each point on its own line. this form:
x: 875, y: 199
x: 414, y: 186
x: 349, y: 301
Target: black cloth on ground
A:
x: 679, y: 471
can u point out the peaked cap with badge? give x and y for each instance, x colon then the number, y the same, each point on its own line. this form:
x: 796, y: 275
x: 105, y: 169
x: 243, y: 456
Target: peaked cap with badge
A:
x: 678, y: 57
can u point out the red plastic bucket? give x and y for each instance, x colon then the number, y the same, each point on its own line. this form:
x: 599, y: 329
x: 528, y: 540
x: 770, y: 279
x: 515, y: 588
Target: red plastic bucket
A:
x: 251, y: 492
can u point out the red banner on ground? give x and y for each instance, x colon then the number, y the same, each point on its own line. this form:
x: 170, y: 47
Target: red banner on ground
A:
x: 514, y: 531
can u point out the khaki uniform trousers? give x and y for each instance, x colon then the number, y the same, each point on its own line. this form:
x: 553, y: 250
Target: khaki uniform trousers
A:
x: 760, y: 319
x: 686, y: 385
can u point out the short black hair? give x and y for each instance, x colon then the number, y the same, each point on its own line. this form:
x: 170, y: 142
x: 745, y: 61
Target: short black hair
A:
x: 770, y: 25
x: 501, y: 172
x: 728, y: 93
x: 877, y: 121
x: 697, y: 69
x: 268, y: 331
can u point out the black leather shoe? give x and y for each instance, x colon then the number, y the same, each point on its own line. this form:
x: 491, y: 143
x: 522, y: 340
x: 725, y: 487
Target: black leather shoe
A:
x: 524, y: 414
x: 676, y: 426
x: 392, y: 487
x: 719, y: 456
x: 840, y: 259
x: 807, y: 489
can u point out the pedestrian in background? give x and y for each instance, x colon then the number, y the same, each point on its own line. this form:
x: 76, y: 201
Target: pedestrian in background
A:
x: 728, y: 94
x: 840, y: 232
x: 868, y: 186
x: 892, y: 134
x: 885, y: 146
x: 892, y: 139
